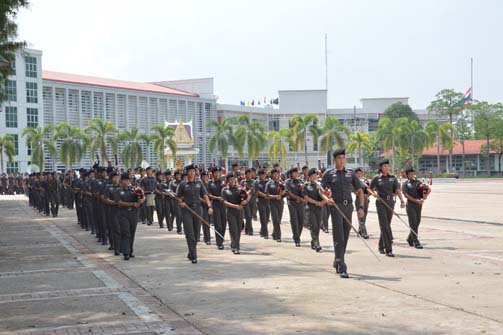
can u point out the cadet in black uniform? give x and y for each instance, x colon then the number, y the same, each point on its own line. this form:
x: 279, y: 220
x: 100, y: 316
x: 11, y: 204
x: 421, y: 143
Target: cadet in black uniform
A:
x: 313, y: 194
x: 215, y: 195
x: 98, y: 189
x: 177, y: 211
x: 206, y: 228
x: 275, y: 191
x: 52, y: 194
x: 342, y: 182
x: 362, y: 229
x: 87, y: 207
x: 235, y: 199
x: 296, y: 204
x: 167, y: 205
x: 129, y: 202
x: 416, y: 193
x: 263, y: 203
x: 387, y: 187
x: 248, y: 208
x: 111, y: 199
x: 191, y: 192
x: 159, y: 198
x: 148, y: 185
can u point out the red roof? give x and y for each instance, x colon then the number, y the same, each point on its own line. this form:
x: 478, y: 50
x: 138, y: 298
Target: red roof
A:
x: 112, y: 83
x: 472, y: 147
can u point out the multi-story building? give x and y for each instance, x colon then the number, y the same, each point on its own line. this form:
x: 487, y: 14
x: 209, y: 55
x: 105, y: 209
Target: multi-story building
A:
x: 23, y: 104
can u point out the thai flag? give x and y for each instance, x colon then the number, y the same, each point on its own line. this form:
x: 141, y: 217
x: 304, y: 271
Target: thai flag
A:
x: 467, y: 98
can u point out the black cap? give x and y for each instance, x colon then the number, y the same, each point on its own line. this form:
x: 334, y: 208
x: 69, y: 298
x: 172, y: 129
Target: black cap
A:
x: 101, y: 169
x: 358, y: 169
x: 217, y: 168
x: 190, y: 167
x: 305, y: 167
x: 229, y: 175
x: 158, y: 173
x: 234, y: 164
x: 204, y: 173
x: 167, y: 173
x: 176, y: 172
x: 384, y: 162
x: 248, y: 170
x: 312, y: 171
x: 262, y: 171
x: 339, y: 152
x: 274, y: 170
x: 113, y: 174
x: 409, y: 169
x: 275, y: 165
x: 125, y: 176
x: 290, y: 170
x: 110, y: 169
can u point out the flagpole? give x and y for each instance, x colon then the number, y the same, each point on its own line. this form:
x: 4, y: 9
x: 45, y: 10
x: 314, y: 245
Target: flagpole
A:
x: 471, y: 76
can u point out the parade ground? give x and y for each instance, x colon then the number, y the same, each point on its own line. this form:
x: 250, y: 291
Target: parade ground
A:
x: 56, y: 279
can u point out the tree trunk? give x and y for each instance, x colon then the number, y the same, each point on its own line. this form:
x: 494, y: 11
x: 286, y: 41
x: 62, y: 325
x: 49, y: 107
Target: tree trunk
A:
x: 305, y: 148
x: 361, y: 158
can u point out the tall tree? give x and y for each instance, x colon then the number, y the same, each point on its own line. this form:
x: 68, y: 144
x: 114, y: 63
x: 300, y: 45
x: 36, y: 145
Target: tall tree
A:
x: 71, y: 147
x: 360, y: 142
x: 100, y: 132
x: 485, y: 122
x: 399, y: 110
x: 251, y: 135
x: 333, y: 134
x: 447, y: 104
x: 412, y: 138
x: 221, y: 138
x: 41, y: 142
x: 278, y: 146
x: 8, y: 34
x: 161, y: 136
x: 439, y: 135
x: 301, y: 126
x: 387, y: 136
x: 132, y: 153
x: 7, y: 147
x: 463, y: 132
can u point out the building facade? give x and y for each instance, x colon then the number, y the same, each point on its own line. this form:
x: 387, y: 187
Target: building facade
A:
x: 23, y: 105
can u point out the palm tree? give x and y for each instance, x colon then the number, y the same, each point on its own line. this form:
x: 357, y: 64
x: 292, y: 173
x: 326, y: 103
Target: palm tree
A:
x: 250, y: 134
x: 100, y: 131
x: 7, y: 147
x: 278, y: 147
x: 162, y: 137
x: 40, y: 141
x: 441, y: 135
x: 222, y: 137
x: 333, y: 135
x: 412, y: 138
x: 71, y: 148
x: 132, y: 153
x: 359, y: 142
x: 387, y: 135
x: 300, y: 127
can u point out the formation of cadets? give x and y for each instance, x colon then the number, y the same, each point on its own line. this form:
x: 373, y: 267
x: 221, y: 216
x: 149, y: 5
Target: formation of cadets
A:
x: 110, y: 204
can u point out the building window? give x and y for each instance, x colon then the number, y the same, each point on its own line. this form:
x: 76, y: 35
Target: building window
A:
x: 13, y: 67
x: 315, y: 146
x: 31, y: 66
x: 31, y: 92
x: 274, y: 124
x: 12, y: 167
x: 11, y: 117
x: 28, y: 149
x: 32, y: 117
x: 11, y: 90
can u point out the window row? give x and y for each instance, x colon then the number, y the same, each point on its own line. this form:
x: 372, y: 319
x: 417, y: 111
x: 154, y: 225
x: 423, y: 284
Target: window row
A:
x: 31, y: 91
x: 11, y: 120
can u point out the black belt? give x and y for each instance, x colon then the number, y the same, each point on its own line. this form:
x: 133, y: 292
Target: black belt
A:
x: 344, y: 202
x: 386, y: 197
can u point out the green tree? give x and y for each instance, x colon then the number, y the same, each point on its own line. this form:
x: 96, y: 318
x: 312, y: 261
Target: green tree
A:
x: 8, y: 34
x: 100, y: 132
x: 463, y: 132
x: 7, y: 147
x: 412, y: 139
x: 360, y: 142
x: 386, y: 134
x: 278, y: 146
x: 41, y: 142
x: 333, y: 135
x: 399, y: 110
x: 250, y: 135
x: 71, y: 147
x: 222, y: 137
x: 486, y: 119
x: 301, y: 126
x: 132, y: 153
x: 162, y: 136
x: 439, y: 135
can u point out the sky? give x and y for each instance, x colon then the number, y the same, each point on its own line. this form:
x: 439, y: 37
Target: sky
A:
x: 252, y: 49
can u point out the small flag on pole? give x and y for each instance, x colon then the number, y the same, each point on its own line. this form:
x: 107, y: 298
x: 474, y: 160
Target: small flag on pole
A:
x: 467, y: 98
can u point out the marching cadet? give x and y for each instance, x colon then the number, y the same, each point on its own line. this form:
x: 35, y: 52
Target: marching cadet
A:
x: 52, y: 193
x: 275, y: 191
x: 87, y: 202
x: 177, y: 212
x: 262, y: 202
x: 166, y: 207
x: 148, y: 184
x: 234, y: 200
x: 76, y: 185
x: 111, y: 198
x: 313, y: 194
x: 342, y: 182
x: 215, y: 195
x: 296, y: 204
x: 190, y: 192
x: 387, y: 187
x: 44, y: 194
x: 206, y: 228
x: 248, y: 209
x: 159, y: 199
x: 129, y: 202
x: 362, y: 229
x: 136, y: 181
x: 98, y: 187
x: 416, y: 193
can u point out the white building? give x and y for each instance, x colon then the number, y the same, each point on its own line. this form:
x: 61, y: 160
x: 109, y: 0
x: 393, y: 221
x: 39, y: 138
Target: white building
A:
x: 23, y: 104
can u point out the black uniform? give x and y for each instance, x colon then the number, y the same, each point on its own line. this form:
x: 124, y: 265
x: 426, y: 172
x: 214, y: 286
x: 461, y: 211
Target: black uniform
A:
x: 248, y: 209
x: 206, y: 228
x: 98, y: 187
x: 312, y: 190
x: 127, y: 220
x: 219, y: 216
x: 233, y: 195
x: 149, y: 184
x: 191, y: 192
x: 362, y: 229
x: 296, y: 208
x: 114, y: 232
x: 385, y: 186
x: 53, y: 196
x: 177, y: 211
x: 166, y: 205
x: 159, y: 203
x: 341, y: 183
x: 411, y: 187
x: 87, y: 203
x: 262, y: 206
x: 276, y: 207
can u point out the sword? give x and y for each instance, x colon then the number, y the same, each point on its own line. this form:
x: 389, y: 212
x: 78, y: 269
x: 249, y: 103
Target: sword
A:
x: 356, y: 231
